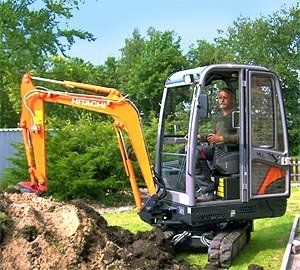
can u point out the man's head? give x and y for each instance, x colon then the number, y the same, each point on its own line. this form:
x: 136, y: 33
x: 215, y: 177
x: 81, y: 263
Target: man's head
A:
x: 226, y: 99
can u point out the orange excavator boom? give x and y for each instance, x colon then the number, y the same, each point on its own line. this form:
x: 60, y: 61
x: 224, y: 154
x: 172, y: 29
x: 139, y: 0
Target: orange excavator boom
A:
x: 104, y: 100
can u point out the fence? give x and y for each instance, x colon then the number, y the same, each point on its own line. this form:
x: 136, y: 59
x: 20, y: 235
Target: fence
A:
x: 7, y: 137
x: 295, y: 170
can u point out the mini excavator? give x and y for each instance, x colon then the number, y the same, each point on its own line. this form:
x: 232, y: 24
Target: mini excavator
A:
x: 251, y: 181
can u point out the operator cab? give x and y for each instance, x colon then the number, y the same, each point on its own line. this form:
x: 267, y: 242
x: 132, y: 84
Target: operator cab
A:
x: 254, y: 168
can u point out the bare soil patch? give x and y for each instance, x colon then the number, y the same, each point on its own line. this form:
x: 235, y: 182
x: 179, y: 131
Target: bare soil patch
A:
x: 41, y: 233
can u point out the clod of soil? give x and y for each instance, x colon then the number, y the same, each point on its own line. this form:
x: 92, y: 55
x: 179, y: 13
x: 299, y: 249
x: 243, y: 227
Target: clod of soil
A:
x: 255, y: 267
x: 46, y: 234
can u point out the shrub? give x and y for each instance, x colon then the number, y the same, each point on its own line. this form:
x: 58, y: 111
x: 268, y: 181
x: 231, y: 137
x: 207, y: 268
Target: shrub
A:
x: 84, y: 155
x: 83, y: 161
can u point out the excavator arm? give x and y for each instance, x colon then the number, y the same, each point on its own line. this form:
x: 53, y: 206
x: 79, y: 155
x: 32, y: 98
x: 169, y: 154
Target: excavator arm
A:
x: 104, y: 100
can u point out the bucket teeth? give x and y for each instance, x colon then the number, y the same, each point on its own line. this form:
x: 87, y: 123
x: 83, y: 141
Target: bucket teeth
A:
x: 25, y: 187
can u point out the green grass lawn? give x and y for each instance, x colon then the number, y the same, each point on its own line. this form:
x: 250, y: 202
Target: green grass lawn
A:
x: 266, y: 247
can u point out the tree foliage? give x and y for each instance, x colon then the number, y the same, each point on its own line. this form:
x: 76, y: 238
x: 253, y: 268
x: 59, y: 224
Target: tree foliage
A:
x: 31, y: 31
x: 148, y: 63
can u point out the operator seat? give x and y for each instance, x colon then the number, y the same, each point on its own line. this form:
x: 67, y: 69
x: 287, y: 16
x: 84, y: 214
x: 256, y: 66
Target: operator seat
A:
x: 226, y: 159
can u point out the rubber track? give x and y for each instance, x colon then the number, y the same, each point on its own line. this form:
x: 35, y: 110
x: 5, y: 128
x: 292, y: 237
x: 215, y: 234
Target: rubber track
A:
x: 225, y: 246
x: 214, y: 248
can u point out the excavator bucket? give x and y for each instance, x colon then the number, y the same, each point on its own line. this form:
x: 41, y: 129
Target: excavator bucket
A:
x: 27, y: 187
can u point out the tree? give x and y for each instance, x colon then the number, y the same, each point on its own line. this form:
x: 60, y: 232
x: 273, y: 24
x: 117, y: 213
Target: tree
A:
x: 30, y: 32
x: 131, y: 54
x: 109, y: 75
x: 203, y: 53
x: 153, y: 60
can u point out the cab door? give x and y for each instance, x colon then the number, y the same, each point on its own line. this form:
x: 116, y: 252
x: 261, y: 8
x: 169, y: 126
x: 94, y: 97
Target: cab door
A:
x: 267, y: 137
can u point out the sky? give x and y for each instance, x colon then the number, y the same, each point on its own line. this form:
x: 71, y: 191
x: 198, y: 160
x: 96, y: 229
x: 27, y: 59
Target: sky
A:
x: 112, y: 21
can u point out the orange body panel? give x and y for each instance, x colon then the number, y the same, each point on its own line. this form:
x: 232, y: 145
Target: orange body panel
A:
x: 122, y: 110
x: 273, y: 175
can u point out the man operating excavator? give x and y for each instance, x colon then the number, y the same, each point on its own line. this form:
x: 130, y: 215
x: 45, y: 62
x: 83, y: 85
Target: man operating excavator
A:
x: 224, y: 133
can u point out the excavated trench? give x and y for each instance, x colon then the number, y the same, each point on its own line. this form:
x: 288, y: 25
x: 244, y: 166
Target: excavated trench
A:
x: 41, y: 233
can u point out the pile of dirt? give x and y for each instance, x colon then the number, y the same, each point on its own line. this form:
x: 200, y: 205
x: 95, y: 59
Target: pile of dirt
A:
x: 41, y: 233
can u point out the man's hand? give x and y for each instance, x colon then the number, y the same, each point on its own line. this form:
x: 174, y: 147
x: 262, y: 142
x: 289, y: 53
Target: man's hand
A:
x: 214, y: 138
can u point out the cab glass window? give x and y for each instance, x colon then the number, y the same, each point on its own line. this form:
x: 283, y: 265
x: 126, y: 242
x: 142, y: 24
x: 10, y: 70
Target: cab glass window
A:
x: 266, y: 126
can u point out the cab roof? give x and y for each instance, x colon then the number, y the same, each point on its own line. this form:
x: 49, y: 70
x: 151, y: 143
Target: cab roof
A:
x: 178, y: 78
